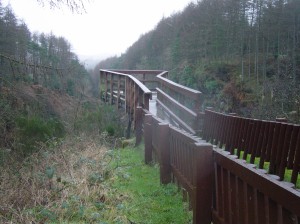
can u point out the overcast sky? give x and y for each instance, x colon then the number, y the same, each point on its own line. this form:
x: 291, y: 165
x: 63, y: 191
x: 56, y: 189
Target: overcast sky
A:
x: 107, y: 29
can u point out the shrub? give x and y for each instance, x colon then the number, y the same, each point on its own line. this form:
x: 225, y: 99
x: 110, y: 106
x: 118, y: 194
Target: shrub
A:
x: 31, y: 130
x: 104, y: 119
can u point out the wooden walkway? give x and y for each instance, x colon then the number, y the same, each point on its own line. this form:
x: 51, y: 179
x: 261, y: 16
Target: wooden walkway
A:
x: 218, y: 160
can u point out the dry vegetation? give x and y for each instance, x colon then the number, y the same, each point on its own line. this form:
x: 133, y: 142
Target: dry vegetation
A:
x: 49, y: 184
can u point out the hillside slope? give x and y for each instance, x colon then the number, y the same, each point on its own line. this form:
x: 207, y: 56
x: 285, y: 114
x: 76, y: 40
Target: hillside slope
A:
x: 37, y: 102
x: 243, y: 55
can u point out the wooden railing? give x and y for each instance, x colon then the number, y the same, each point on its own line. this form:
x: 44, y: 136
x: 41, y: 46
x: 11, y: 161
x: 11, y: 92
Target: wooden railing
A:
x: 131, y: 88
x: 272, y: 144
x: 182, y: 104
x: 221, y: 186
x: 244, y: 194
x: 184, y: 159
x: 125, y: 90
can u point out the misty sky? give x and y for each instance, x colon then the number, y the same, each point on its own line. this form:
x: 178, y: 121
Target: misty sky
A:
x: 108, y: 28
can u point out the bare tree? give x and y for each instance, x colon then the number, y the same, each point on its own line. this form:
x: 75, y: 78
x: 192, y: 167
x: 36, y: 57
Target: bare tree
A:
x: 76, y: 6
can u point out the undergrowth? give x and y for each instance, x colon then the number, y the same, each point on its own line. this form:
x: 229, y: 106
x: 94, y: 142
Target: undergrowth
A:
x: 97, y: 120
x: 33, y: 130
x: 85, y: 179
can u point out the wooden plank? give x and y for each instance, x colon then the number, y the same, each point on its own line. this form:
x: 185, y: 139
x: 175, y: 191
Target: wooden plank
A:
x: 291, y: 156
x: 280, y: 193
x: 188, y: 92
x: 282, y: 157
x: 296, y: 165
x: 202, y: 202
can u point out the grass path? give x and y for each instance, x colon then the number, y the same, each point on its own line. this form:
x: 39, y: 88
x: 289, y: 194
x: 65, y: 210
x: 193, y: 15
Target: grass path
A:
x: 146, y: 200
x: 80, y: 180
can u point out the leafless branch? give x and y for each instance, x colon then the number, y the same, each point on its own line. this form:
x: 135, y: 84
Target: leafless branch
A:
x: 76, y: 6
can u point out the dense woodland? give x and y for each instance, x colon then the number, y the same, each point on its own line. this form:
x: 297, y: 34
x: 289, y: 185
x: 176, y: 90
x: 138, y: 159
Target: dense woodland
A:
x: 42, y: 85
x: 37, y: 58
x: 244, y: 55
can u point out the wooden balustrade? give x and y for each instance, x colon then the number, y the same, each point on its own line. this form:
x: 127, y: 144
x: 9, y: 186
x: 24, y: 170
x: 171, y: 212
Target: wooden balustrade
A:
x: 185, y: 158
x: 181, y: 103
x: 244, y: 194
x: 125, y: 91
x: 147, y: 77
x: 273, y: 144
x: 222, y: 187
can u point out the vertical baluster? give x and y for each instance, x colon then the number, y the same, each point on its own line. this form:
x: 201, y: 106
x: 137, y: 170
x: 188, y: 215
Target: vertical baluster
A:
x: 291, y: 156
x: 276, y: 138
x: 111, y: 89
x: 264, y: 144
x: 246, y: 215
x: 254, y: 141
x: 220, y: 130
x: 138, y: 125
x: 238, y: 133
x: 226, y: 132
x: 244, y: 122
x: 148, y: 138
x: 283, y: 156
x: 106, y: 87
x: 248, y: 138
x: 296, y: 164
x: 280, y: 147
x: 229, y: 196
x: 252, y: 138
x: 118, y: 93
x: 203, y: 179
x: 271, y: 137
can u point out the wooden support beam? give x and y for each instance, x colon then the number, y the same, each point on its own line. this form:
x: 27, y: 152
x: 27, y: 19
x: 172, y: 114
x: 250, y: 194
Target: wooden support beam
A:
x: 148, y: 138
x: 164, y: 149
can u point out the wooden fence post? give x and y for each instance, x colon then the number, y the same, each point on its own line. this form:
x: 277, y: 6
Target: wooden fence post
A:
x: 148, y: 138
x: 100, y: 82
x: 147, y: 97
x: 164, y: 150
x: 118, y: 93
x: 106, y: 87
x: 111, y: 89
x: 203, y: 178
x: 138, y: 125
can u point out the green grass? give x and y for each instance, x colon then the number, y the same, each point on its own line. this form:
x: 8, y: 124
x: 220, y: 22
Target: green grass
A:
x: 145, y: 199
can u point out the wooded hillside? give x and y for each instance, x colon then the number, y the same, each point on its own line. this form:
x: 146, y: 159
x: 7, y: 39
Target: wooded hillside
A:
x: 244, y: 55
x: 42, y: 85
x: 37, y: 57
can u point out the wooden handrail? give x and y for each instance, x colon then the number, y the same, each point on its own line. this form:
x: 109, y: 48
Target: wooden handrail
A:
x: 189, y: 92
x: 222, y: 187
x: 274, y: 143
x: 181, y: 100
x: 139, y: 83
x: 135, y: 72
x: 178, y: 106
x: 240, y: 192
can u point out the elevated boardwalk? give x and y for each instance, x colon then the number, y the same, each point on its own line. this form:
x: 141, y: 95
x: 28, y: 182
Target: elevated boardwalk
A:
x: 231, y: 169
